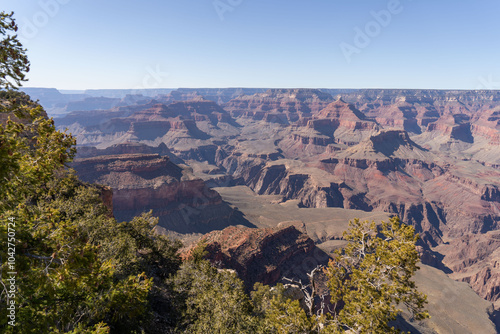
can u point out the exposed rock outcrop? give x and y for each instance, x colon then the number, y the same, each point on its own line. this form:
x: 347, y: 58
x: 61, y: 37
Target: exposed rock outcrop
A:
x: 143, y: 182
x: 262, y: 255
x: 292, y: 103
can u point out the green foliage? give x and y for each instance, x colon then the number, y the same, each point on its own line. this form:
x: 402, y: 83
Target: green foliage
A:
x: 279, y: 314
x: 135, y: 248
x: 212, y: 301
x: 63, y: 283
x: 13, y: 60
x: 99, y: 328
x: 78, y: 270
x: 287, y: 317
x: 372, y: 276
x: 31, y: 152
x: 77, y: 266
x: 198, y: 253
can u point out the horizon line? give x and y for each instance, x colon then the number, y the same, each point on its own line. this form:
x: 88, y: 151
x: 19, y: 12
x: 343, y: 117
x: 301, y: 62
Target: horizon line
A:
x: 263, y: 87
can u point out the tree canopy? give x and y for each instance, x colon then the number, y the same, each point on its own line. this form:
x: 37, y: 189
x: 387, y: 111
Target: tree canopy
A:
x: 13, y: 60
x: 372, y: 275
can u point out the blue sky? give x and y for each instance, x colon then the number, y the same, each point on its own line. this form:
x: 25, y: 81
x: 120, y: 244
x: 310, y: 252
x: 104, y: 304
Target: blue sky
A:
x: 82, y: 44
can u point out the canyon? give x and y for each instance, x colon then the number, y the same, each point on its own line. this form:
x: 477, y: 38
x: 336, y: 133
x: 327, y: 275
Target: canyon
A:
x: 300, y: 163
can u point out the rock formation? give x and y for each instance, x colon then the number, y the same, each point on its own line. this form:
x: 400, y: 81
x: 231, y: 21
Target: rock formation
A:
x: 275, y: 103
x: 144, y: 182
x: 261, y: 255
x: 431, y: 157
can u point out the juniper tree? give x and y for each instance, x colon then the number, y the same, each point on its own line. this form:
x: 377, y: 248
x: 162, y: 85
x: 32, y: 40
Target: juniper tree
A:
x: 371, y: 277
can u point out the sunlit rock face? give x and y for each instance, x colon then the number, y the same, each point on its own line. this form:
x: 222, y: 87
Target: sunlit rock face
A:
x: 431, y: 157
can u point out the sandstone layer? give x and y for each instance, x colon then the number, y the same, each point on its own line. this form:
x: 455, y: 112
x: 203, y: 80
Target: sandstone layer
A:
x: 431, y: 157
x: 143, y: 182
